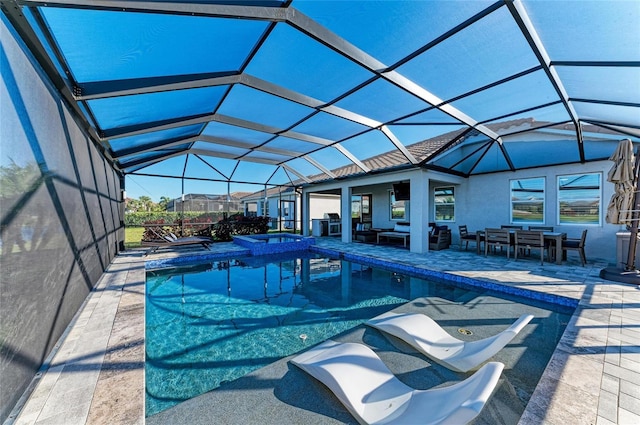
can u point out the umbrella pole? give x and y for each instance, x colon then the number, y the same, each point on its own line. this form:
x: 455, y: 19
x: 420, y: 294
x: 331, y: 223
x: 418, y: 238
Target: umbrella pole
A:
x: 629, y: 274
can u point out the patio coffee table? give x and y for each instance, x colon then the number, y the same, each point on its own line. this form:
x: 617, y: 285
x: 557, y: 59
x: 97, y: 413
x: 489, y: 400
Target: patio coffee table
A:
x: 395, y: 235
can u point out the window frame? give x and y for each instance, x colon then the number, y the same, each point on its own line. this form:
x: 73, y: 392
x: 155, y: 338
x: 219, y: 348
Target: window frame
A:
x: 452, y: 204
x: 559, y: 199
x: 249, y: 211
x: 363, y: 213
x: 544, y: 201
x: 405, y: 205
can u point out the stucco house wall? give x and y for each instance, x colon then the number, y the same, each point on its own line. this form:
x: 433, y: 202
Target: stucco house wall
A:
x: 484, y: 201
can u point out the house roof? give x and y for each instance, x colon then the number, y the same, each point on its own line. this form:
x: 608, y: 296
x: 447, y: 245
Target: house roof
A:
x: 271, y: 191
x: 214, y: 197
x: 434, y: 151
x: 281, y: 92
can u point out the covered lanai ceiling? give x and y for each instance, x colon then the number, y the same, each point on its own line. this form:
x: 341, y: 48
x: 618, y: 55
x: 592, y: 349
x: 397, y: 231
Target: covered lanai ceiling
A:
x: 302, y: 91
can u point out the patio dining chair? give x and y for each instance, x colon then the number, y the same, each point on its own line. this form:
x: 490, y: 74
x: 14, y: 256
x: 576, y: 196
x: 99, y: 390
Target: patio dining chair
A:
x: 466, y: 237
x: 497, y: 238
x: 543, y: 229
x: 574, y: 244
x: 526, y: 240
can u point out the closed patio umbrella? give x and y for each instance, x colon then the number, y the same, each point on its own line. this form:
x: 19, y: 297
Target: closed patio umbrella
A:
x: 624, y: 208
x: 621, y: 174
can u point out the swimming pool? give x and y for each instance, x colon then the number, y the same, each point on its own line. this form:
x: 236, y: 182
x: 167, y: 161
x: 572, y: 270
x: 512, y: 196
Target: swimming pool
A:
x: 215, y: 322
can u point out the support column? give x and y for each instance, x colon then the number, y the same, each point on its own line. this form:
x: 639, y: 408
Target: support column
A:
x: 264, y: 205
x: 305, y: 214
x: 345, y: 213
x: 419, y: 216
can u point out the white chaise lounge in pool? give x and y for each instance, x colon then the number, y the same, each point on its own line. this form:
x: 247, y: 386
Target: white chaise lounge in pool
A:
x: 374, y: 395
x: 426, y: 336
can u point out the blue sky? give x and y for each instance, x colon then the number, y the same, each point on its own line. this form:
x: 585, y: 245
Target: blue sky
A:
x: 155, y: 187
x: 107, y: 45
x: 102, y: 46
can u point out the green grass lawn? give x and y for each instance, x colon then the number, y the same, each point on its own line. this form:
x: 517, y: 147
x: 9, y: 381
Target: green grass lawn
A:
x: 132, y: 237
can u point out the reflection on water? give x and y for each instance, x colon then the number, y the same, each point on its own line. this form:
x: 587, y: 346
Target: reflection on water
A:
x: 215, y: 322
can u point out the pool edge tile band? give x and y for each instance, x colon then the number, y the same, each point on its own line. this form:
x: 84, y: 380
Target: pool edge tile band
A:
x: 449, y: 277
x: 177, y: 261
x: 260, y: 244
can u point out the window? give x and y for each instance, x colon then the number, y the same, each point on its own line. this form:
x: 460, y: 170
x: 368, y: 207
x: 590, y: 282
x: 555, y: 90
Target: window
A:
x: 265, y: 208
x: 251, y: 209
x: 366, y: 205
x: 361, y: 208
x: 398, y: 208
x: 527, y: 200
x: 579, y: 199
x: 444, y: 201
x: 355, y: 206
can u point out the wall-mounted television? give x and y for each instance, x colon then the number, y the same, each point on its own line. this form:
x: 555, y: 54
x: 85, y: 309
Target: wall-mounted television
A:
x: 401, y: 191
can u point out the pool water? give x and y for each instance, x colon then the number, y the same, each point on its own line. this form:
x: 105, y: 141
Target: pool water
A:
x: 207, y: 324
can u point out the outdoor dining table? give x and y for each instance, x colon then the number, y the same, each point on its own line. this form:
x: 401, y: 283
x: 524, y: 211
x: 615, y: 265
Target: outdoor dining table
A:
x: 553, y: 237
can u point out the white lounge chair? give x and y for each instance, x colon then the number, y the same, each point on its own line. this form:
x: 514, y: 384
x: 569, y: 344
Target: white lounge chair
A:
x: 426, y: 336
x: 374, y: 395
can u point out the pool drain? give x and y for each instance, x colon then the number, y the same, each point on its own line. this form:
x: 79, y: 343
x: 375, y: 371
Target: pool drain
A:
x: 464, y: 331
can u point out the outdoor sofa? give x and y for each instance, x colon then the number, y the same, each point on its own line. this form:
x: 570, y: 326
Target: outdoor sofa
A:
x: 400, y: 231
x: 439, y: 238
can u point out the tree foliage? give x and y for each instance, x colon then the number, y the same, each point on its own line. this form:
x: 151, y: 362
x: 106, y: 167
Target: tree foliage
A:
x: 137, y: 219
x: 17, y: 180
x: 146, y: 204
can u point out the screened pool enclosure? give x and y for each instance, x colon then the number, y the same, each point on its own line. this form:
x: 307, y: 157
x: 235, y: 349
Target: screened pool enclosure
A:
x: 264, y: 95
x: 293, y: 92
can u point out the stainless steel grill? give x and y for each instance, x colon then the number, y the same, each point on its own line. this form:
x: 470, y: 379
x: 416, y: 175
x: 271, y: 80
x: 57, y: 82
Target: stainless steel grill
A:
x: 333, y: 217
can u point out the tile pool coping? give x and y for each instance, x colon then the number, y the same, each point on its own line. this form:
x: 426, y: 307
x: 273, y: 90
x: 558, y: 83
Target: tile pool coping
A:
x: 258, y: 245
x: 187, y: 259
x: 448, y: 277
x: 592, y: 377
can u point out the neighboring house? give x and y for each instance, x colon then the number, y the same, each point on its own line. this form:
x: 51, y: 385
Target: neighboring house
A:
x: 283, y: 206
x: 207, y: 203
x: 569, y: 197
x: 279, y: 203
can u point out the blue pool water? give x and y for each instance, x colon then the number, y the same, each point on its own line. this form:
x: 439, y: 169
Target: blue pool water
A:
x: 215, y: 322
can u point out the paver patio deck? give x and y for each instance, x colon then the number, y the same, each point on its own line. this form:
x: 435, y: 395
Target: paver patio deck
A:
x: 96, y: 373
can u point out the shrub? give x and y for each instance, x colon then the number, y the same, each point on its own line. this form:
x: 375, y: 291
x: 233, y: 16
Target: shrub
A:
x: 204, y: 225
x: 239, y: 225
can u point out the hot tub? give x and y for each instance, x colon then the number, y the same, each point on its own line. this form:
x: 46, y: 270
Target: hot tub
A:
x: 274, y: 243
